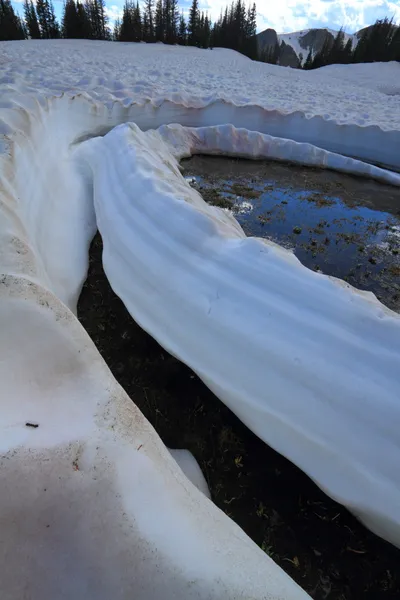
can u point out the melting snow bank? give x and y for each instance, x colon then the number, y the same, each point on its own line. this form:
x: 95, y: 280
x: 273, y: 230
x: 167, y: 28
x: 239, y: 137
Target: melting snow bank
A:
x: 92, y: 504
x: 347, y: 109
x: 183, y: 142
x: 310, y: 364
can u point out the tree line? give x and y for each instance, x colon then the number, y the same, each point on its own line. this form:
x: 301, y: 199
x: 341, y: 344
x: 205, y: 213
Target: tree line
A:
x: 161, y: 21
x: 378, y: 43
x: 155, y: 21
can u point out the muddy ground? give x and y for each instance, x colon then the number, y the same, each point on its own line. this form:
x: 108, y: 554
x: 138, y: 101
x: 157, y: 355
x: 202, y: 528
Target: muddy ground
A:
x: 311, y: 537
x: 343, y: 226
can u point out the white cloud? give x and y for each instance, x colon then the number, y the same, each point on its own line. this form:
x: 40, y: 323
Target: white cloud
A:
x: 290, y: 15
x: 293, y: 15
x: 113, y: 13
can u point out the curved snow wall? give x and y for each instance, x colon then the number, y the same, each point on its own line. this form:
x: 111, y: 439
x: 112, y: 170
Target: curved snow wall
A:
x: 92, y: 503
x: 44, y: 130
x: 305, y: 361
x: 51, y: 217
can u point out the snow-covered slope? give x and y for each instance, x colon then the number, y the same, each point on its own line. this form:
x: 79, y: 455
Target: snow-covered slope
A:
x: 300, y: 43
x: 155, y: 84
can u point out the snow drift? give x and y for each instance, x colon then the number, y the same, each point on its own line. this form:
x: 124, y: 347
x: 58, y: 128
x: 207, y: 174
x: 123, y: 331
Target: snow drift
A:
x: 153, y: 85
x: 305, y: 361
x: 92, y: 501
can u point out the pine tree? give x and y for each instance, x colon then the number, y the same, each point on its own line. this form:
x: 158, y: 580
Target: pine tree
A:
x: 159, y: 22
x: 182, y: 39
x: 336, y: 54
x: 83, y: 22
x: 309, y: 61
x: 173, y: 21
x: 251, y: 44
x: 207, y: 32
x: 376, y: 42
x: 31, y: 20
x: 69, y: 21
x: 136, y: 24
x: 54, y: 28
x: 97, y: 19
x: 117, y: 30
x: 43, y: 18
x: 394, y: 47
x: 126, y: 29
x: 348, y: 52
x: 322, y: 57
x: 11, y: 27
x: 148, y: 21
x: 167, y: 20
x: 193, y: 25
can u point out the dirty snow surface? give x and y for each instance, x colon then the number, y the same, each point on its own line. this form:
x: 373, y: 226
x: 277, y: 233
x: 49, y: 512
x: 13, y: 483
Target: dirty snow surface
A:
x: 93, y: 504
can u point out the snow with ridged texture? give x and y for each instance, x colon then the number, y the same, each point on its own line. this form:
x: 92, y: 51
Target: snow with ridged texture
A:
x: 228, y: 141
x: 307, y: 362
x: 153, y: 84
x: 93, y: 504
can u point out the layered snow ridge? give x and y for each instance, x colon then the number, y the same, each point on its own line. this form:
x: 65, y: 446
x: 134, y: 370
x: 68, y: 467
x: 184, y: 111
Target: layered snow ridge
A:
x: 153, y: 85
x: 305, y: 361
x: 93, y: 504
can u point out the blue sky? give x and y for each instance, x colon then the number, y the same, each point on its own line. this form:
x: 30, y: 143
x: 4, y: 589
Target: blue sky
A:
x: 291, y: 15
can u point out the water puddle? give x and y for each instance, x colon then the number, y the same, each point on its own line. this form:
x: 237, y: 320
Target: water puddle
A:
x: 343, y: 226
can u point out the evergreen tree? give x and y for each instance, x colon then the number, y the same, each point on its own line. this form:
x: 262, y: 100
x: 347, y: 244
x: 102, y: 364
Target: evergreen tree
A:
x: 148, y: 21
x: 348, y: 52
x: 126, y: 29
x: 69, y: 21
x: 159, y: 22
x: 250, y: 41
x: 42, y: 10
x: 11, y: 27
x: 54, y: 28
x: 136, y: 24
x: 394, y: 47
x: 270, y: 54
x: 97, y: 19
x: 31, y: 20
x: 193, y: 25
x: 84, y: 31
x: 169, y: 33
x: 171, y: 12
x: 182, y: 40
x: 375, y: 43
x: 236, y: 29
x: 336, y: 54
x: 117, y: 31
x: 309, y: 61
x: 322, y: 57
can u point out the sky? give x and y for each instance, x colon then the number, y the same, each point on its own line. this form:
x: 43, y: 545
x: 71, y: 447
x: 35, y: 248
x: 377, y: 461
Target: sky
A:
x: 288, y: 15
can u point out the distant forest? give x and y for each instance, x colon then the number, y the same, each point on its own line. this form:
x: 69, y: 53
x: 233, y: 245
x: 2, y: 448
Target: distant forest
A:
x: 156, y: 21
x: 162, y: 21
x: 378, y: 43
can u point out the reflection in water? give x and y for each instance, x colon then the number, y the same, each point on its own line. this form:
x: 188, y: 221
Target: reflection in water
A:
x: 354, y: 243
